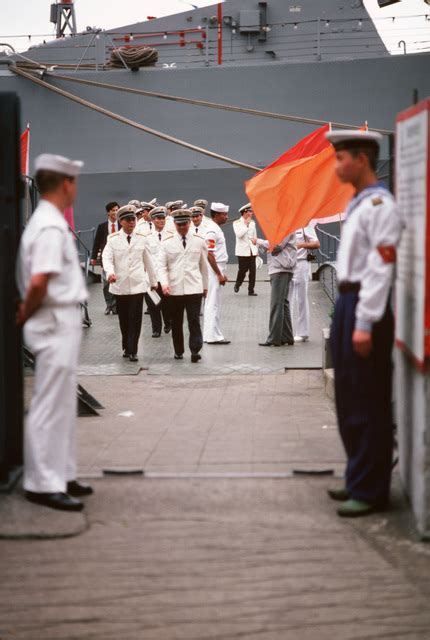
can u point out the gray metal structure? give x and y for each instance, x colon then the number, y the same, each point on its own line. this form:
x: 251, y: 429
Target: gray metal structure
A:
x: 320, y: 60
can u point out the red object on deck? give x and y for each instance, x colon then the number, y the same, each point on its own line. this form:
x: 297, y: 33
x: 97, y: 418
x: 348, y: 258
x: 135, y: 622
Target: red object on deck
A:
x: 219, y: 33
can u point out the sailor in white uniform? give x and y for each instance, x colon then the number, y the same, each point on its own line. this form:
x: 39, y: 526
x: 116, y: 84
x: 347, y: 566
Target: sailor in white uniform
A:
x: 52, y: 287
x: 183, y: 273
x: 145, y: 223
x: 306, y: 240
x: 362, y: 330
x: 218, y: 258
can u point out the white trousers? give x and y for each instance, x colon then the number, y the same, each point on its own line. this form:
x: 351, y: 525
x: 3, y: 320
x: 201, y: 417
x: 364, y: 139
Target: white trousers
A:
x: 211, y: 326
x: 299, y: 296
x: 54, y: 337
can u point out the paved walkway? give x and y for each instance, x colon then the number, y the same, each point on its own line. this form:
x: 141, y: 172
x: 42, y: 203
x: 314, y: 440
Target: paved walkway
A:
x: 244, y: 321
x: 219, y: 539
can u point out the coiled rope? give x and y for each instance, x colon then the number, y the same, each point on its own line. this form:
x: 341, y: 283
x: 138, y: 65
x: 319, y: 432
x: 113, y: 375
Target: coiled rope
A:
x: 131, y: 123
x: 134, y: 57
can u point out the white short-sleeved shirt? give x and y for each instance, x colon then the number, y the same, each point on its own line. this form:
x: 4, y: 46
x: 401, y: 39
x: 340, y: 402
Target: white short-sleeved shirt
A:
x: 311, y: 236
x: 47, y: 246
x: 215, y: 241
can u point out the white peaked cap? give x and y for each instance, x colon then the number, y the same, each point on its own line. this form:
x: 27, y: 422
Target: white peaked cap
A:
x: 219, y: 207
x: 59, y: 164
x: 352, y: 135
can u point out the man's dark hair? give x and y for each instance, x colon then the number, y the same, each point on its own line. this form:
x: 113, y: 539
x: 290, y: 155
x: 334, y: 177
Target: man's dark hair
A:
x: 370, y: 150
x: 111, y: 205
x: 48, y: 181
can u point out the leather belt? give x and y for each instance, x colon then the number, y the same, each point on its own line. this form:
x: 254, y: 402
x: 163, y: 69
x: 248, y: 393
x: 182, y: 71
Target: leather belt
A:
x: 349, y: 287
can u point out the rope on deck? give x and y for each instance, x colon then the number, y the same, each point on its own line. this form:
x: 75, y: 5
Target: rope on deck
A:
x: 131, y: 123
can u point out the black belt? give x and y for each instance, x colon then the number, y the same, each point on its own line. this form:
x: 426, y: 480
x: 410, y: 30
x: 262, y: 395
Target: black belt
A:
x: 349, y: 287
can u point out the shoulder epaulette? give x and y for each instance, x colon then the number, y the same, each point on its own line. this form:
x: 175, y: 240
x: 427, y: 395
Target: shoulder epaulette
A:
x: 376, y: 201
x: 112, y: 235
x: 143, y: 234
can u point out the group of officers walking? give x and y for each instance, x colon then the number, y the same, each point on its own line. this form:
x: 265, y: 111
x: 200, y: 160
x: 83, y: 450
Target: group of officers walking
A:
x: 180, y: 256
x: 173, y: 256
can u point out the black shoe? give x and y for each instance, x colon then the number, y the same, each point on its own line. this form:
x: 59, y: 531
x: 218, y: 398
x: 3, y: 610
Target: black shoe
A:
x: 77, y: 489
x: 220, y: 342
x: 167, y: 328
x: 125, y: 354
x: 133, y: 357
x: 236, y: 288
x: 252, y: 293
x: 146, y: 313
x: 195, y: 357
x: 178, y: 356
x: 156, y: 334
x: 289, y: 344
x: 114, y: 311
x: 269, y: 344
x: 60, y: 501
x: 107, y: 311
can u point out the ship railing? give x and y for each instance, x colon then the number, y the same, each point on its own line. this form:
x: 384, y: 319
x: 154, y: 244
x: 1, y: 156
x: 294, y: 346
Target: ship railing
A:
x: 304, y: 40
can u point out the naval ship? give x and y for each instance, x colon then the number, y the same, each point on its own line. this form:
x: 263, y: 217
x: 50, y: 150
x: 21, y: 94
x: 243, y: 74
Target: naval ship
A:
x: 267, y: 73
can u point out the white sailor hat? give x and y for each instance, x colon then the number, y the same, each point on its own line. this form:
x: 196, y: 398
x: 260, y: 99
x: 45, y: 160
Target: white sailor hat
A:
x: 181, y: 215
x: 58, y: 164
x: 196, y: 211
x: 219, y: 207
x: 349, y: 138
x: 146, y: 205
x: 177, y: 204
x: 201, y: 203
x: 246, y: 207
x: 126, y: 211
x: 135, y: 203
x: 158, y: 212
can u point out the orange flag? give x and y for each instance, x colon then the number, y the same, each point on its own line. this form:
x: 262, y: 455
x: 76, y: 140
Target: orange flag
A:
x: 298, y: 186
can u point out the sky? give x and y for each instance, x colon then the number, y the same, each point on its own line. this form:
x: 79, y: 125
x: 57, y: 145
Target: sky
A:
x: 31, y: 17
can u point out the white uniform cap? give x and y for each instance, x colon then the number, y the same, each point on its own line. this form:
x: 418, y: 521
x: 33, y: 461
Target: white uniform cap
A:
x: 146, y: 205
x: 135, y: 203
x: 353, y: 136
x: 219, y: 207
x: 59, y: 164
x: 154, y: 202
x: 245, y: 207
x: 125, y: 211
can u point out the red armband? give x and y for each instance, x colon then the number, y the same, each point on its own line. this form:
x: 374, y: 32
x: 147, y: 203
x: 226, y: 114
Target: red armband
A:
x: 211, y: 244
x: 388, y: 253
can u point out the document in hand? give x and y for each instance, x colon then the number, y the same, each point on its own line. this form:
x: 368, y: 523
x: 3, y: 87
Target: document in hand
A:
x: 154, y: 296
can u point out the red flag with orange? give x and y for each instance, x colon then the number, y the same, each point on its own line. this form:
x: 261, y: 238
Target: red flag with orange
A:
x: 298, y: 186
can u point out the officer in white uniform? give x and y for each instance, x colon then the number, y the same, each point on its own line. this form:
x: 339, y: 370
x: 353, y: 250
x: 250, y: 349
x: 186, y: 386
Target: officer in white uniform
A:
x: 128, y: 264
x: 218, y: 258
x: 199, y: 223
x: 162, y: 310
x: 145, y: 223
x: 183, y: 273
x: 306, y: 240
x: 203, y: 204
x: 362, y: 330
x: 52, y: 287
x: 171, y: 207
x: 246, y: 249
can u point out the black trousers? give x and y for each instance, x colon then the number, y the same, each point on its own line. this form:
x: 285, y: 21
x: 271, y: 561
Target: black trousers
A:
x: 158, y: 312
x: 246, y: 263
x: 191, y: 304
x: 130, y: 320
x: 363, y: 402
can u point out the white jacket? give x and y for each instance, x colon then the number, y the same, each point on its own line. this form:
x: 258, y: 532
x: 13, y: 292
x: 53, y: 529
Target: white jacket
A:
x: 244, y: 233
x: 185, y: 271
x: 131, y: 263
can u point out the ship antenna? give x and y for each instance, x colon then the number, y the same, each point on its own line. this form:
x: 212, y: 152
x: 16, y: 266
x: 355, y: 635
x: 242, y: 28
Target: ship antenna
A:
x: 63, y: 16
